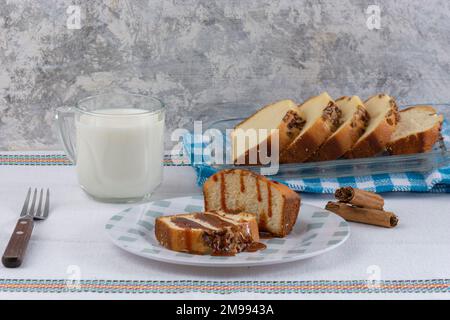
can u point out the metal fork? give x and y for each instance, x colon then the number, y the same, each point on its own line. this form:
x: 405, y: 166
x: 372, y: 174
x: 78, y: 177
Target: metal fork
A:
x: 17, y: 245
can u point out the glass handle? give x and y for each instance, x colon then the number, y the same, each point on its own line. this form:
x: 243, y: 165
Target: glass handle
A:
x: 65, y: 117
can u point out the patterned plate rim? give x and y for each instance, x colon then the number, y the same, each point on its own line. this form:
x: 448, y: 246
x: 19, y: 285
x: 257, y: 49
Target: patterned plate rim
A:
x: 227, y: 263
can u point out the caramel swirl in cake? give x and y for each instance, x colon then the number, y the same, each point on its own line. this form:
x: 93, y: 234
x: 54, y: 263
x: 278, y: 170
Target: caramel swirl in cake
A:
x: 269, y: 199
x: 241, y: 178
x: 258, y: 191
x: 188, y: 223
x: 223, y: 191
x: 213, y: 220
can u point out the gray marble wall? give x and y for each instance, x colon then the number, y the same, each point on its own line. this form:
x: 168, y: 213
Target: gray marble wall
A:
x: 207, y: 58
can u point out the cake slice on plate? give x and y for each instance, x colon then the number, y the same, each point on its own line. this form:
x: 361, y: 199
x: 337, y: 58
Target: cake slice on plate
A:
x: 275, y: 205
x: 216, y: 233
x: 384, y: 116
x: 354, y: 120
x: 321, y: 118
x: 281, y: 116
x: 417, y: 131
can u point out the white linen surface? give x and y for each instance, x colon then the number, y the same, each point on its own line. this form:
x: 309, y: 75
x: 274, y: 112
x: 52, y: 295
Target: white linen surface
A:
x: 419, y: 248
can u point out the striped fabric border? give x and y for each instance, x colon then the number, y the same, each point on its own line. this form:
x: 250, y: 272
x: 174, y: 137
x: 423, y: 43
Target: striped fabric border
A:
x: 62, y: 160
x: 225, y: 287
x: 35, y: 159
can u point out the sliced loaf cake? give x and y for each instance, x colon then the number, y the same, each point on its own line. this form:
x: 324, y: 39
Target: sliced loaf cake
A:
x: 249, y: 135
x: 275, y: 205
x: 321, y: 117
x: 384, y: 116
x: 417, y: 131
x: 216, y: 233
x: 354, y: 120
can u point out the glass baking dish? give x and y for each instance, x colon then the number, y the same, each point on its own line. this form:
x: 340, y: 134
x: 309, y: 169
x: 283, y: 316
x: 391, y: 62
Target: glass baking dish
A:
x: 382, y: 164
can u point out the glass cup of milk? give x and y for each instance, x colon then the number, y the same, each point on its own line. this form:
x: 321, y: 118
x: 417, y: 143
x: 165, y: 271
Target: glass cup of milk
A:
x: 116, y: 141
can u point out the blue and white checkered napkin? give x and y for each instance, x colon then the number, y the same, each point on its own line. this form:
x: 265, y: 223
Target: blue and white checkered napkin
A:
x: 435, y: 181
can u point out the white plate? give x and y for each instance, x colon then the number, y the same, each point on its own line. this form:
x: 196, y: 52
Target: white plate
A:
x: 316, y: 231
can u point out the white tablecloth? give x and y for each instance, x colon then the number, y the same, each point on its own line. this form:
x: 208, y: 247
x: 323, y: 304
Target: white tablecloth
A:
x: 73, y: 238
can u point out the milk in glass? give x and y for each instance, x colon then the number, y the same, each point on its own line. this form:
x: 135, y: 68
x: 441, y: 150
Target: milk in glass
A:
x: 119, y: 152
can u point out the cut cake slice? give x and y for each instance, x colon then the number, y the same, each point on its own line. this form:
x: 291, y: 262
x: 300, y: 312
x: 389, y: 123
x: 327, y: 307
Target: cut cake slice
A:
x: 216, y: 233
x: 417, y: 131
x: 275, y: 205
x: 384, y: 116
x: 281, y: 116
x: 321, y: 117
x: 354, y: 121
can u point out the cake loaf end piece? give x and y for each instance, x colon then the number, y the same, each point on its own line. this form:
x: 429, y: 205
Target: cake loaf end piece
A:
x: 275, y: 205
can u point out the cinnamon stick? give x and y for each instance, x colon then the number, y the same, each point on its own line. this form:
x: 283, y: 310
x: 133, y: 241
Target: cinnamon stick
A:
x: 363, y: 215
x: 359, y: 198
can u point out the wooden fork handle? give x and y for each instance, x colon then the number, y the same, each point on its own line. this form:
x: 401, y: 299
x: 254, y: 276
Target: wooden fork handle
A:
x: 17, y: 245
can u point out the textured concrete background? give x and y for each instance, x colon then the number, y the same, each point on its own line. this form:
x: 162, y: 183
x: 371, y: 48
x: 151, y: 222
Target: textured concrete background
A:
x: 207, y: 58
